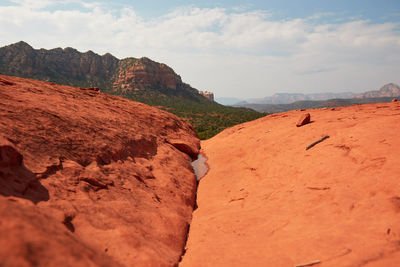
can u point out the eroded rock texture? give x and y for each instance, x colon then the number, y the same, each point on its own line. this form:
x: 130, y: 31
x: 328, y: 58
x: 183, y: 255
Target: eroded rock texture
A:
x: 89, y: 179
x: 267, y: 201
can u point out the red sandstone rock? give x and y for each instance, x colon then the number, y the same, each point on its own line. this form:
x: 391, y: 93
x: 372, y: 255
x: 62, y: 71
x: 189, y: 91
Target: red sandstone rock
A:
x: 5, y: 82
x: 304, y: 119
x: 9, y: 156
x: 31, y: 237
x: 185, y: 148
x: 266, y: 201
x: 91, y: 179
x: 96, y: 89
x: 143, y: 73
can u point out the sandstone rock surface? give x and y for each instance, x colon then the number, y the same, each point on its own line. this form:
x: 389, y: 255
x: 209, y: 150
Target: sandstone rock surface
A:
x: 89, y: 179
x: 266, y: 201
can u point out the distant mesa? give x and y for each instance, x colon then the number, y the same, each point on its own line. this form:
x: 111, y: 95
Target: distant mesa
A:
x: 388, y: 90
x: 285, y: 101
x: 208, y: 95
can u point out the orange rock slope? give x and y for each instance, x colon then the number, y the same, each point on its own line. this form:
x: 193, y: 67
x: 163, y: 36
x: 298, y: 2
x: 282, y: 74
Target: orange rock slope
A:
x: 89, y: 179
x: 267, y: 201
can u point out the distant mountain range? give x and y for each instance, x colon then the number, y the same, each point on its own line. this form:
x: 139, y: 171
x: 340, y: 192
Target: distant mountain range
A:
x: 286, y: 98
x: 308, y: 104
x: 139, y: 79
x: 388, y: 90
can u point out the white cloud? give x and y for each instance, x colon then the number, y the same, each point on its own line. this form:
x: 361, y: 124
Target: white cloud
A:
x: 239, y: 53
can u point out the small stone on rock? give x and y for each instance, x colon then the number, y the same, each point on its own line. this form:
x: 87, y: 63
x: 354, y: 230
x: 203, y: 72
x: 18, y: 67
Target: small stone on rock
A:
x: 304, y: 119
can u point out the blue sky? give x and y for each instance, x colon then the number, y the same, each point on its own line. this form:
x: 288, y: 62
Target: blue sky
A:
x: 233, y: 48
x: 384, y: 10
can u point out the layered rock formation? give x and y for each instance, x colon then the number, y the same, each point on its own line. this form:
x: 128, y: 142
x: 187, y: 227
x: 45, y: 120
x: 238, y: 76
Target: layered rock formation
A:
x: 208, y: 95
x: 89, y: 179
x: 64, y: 66
x: 268, y: 201
x: 68, y: 66
x: 144, y: 73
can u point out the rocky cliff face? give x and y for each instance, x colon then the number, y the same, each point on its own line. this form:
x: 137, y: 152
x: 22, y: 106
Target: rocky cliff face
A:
x: 131, y: 76
x: 89, y: 179
x: 267, y: 200
x: 66, y: 66
x: 139, y: 74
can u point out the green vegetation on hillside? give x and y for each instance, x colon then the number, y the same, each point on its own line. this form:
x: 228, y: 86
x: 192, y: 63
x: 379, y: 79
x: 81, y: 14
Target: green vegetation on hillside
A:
x: 207, y: 117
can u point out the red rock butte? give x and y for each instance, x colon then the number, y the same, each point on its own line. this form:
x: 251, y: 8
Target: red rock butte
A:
x: 267, y: 201
x: 89, y: 179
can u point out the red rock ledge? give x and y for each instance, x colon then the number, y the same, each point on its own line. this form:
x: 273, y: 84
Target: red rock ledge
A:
x: 89, y: 179
x: 267, y: 201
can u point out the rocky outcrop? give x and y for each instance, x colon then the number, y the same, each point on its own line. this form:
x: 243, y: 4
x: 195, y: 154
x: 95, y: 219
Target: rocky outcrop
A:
x: 304, y: 119
x: 132, y: 76
x: 388, y: 90
x: 65, y: 66
x: 268, y: 201
x: 89, y: 179
x: 208, y: 95
x: 139, y: 74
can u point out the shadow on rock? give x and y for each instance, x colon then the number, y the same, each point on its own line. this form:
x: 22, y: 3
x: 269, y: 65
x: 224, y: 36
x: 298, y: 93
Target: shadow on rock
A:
x: 15, y: 179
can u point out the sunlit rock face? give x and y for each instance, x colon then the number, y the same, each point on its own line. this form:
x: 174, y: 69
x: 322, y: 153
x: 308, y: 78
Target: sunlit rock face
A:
x: 324, y: 193
x: 90, y: 179
x: 207, y: 94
